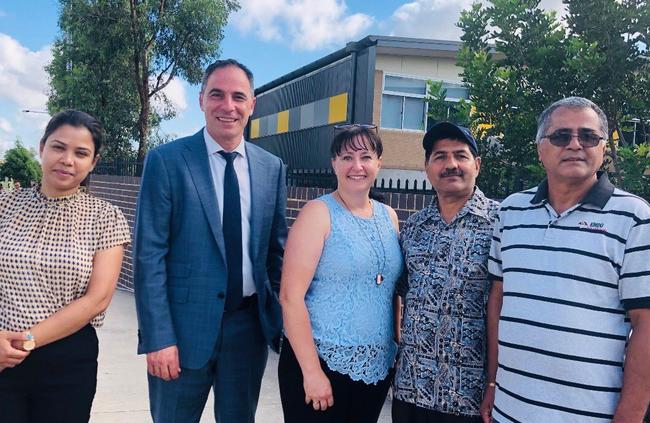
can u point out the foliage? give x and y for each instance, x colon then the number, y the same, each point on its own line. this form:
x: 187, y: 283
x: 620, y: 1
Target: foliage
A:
x: 91, y: 70
x: 634, y: 169
x: 20, y: 165
x: 518, y: 59
x: 114, y: 57
x: 440, y: 109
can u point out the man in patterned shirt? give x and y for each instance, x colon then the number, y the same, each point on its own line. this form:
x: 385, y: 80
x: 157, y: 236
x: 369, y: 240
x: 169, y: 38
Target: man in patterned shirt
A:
x: 440, y: 374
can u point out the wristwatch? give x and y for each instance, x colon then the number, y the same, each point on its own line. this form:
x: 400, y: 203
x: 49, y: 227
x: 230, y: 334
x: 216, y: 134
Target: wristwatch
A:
x: 29, y: 344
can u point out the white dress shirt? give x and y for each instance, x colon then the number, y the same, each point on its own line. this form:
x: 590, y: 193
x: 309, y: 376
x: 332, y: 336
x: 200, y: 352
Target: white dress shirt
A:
x: 218, y: 168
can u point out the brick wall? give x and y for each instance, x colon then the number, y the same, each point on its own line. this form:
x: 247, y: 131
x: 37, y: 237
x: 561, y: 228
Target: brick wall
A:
x: 123, y: 191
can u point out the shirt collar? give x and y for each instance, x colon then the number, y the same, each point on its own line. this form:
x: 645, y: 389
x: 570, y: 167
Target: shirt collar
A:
x: 476, y: 205
x: 598, y: 195
x: 214, y: 147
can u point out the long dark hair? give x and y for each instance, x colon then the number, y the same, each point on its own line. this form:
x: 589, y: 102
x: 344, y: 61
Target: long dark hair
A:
x: 358, y: 137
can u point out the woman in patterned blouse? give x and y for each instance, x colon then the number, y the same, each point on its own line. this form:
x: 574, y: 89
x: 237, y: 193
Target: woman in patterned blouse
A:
x: 60, y: 256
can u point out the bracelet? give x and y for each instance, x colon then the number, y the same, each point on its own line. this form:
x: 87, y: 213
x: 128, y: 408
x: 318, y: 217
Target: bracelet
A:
x: 491, y: 384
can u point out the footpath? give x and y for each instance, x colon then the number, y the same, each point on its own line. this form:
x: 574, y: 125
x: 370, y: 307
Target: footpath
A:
x: 122, y: 383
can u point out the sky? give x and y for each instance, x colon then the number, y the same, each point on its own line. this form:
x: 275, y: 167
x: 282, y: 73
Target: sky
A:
x: 271, y: 37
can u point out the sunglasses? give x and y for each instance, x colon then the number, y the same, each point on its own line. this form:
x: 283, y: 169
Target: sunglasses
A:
x: 586, y: 138
x: 354, y: 125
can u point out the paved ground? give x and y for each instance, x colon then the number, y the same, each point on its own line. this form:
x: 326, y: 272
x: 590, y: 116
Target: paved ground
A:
x: 122, y: 382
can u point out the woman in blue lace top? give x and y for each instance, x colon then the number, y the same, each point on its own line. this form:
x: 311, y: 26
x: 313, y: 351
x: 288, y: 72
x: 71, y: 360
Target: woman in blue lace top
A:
x: 341, y: 264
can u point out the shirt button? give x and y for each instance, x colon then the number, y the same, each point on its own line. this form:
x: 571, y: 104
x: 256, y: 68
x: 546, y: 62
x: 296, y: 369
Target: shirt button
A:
x: 221, y: 295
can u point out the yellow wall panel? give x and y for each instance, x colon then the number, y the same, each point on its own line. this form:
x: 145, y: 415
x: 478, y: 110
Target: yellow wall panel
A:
x: 338, y: 108
x: 255, y: 128
x: 283, y: 122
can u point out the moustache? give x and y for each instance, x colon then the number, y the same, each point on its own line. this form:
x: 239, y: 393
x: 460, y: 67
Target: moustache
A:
x: 451, y: 172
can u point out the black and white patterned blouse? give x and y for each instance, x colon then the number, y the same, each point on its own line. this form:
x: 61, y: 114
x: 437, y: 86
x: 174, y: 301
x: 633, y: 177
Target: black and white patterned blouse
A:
x: 441, y: 358
x: 47, y: 247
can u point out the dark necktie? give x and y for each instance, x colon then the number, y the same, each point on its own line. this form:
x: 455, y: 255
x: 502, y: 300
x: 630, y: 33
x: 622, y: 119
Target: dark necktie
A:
x: 232, y: 232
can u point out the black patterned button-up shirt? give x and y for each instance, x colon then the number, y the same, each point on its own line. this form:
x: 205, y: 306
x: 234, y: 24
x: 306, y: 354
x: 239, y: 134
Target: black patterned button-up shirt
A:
x: 441, y: 358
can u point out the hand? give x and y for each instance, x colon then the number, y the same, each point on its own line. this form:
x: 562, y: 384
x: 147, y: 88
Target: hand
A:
x: 11, y: 352
x: 164, y: 363
x: 487, y: 404
x: 318, y: 390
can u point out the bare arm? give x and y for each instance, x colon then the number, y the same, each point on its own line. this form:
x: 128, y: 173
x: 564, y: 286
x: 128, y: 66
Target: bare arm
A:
x: 495, y: 301
x: 397, y: 304
x: 303, y: 250
x: 635, y: 395
x: 397, y: 301
x: 77, y: 314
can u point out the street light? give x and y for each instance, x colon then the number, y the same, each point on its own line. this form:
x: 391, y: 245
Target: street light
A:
x: 35, y: 111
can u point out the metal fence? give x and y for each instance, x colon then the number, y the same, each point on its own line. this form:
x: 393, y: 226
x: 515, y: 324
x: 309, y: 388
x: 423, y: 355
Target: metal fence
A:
x: 325, y: 178
x: 312, y: 178
x: 119, y: 168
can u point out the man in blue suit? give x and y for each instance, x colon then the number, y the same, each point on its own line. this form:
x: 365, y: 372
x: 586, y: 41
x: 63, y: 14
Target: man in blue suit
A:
x: 209, y: 239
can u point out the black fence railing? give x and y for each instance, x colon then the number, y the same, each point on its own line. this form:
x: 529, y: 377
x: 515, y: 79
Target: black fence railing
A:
x: 312, y: 178
x: 325, y: 178
x: 119, y: 168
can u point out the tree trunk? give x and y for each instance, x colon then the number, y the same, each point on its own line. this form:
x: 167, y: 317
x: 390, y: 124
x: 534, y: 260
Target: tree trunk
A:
x: 143, y: 128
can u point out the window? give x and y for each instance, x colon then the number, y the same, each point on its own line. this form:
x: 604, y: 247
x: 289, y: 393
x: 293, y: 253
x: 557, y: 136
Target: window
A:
x: 403, y: 105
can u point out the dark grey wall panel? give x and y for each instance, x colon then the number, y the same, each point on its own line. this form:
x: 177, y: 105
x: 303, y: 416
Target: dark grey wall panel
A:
x: 305, y: 148
x: 326, y: 82
x: 364, y: 89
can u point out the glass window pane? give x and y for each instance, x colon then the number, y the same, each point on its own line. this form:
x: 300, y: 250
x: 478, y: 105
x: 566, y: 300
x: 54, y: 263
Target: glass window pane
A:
x: 414, y: 114
x: 405, y: 85
x: 455, y: 91
x: 391, y: 111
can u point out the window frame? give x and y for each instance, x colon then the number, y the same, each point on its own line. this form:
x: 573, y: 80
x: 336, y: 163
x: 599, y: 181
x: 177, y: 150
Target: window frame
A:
x: 403, y: 96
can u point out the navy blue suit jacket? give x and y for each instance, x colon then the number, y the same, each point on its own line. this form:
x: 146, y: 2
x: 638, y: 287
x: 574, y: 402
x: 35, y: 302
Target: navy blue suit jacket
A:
x: 180, y: 271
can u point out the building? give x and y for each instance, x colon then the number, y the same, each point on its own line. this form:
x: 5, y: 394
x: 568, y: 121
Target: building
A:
x: 379, y: 80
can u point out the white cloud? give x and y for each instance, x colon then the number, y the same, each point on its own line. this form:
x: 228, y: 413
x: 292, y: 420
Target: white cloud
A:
x: 175, y: 94
x: 437, y: 19
x: 23, y: 79
x: 5, y: 125
x: 303, y: 24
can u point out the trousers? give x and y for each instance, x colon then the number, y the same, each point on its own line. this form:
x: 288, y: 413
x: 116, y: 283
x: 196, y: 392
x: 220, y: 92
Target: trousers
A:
x: 56, y: 383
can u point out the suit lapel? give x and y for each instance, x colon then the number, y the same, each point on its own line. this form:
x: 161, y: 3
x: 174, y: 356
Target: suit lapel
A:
x: 259, y: 190
x: 196, y: 158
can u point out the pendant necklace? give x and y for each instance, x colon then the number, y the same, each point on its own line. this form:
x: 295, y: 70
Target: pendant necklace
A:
x: 381, y: 263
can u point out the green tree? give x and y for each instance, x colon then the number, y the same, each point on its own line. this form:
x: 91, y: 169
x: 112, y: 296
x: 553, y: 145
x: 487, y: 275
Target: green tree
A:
x: 441, y: 109
x: 518, y: 59
x: 20, y: 165
x: 114, y: 57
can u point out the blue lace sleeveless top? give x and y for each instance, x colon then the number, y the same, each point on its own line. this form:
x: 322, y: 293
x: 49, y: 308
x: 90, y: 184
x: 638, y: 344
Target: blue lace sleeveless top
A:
x: 351, y: 315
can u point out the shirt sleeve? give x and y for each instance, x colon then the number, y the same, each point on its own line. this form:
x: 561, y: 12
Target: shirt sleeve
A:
x: 495, y: 267
x: 634, y: 282
x: 402, y: 283
x: 114, y: 230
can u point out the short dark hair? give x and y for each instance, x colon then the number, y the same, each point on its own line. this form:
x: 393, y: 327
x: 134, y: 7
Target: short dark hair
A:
x: 222, y: 64
x: 352, y: 138
x: 78, y: 119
